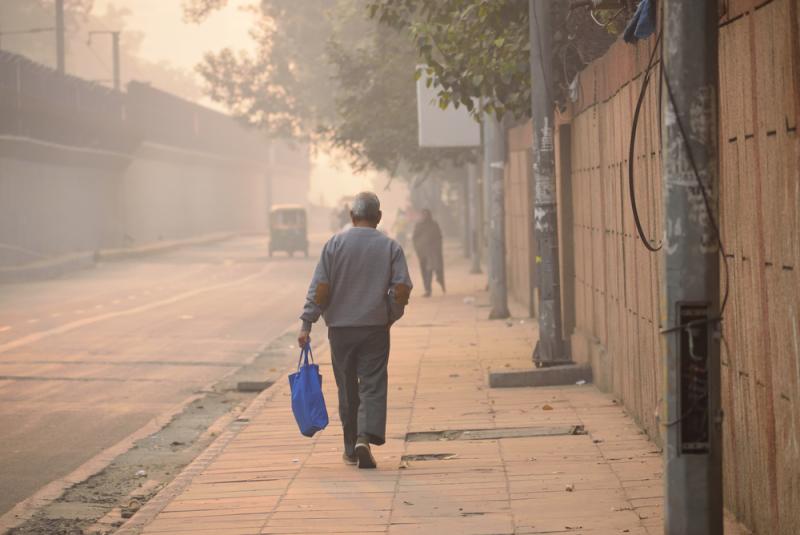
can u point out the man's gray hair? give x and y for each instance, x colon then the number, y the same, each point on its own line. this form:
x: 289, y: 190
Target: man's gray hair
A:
x: 366, y: 206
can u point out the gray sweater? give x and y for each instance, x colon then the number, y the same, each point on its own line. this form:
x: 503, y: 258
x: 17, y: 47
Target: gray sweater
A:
x: 359, y: 281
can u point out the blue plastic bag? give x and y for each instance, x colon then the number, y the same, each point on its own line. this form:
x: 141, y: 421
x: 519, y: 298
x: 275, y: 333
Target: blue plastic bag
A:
x: 308, y: 404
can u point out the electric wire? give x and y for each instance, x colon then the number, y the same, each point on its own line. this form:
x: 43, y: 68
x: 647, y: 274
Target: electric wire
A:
x: 610, y: 20
x: 715, y: 227
x: 99, y: 58
x: 631, y: 150
x: 688, y: 326
x: 704, y: 192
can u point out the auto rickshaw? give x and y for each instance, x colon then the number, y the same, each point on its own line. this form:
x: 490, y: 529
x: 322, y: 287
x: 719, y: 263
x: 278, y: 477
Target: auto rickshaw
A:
x: 288, y: 229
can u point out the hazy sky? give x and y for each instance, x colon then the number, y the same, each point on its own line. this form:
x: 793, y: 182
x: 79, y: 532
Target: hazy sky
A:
x: 168, y: 38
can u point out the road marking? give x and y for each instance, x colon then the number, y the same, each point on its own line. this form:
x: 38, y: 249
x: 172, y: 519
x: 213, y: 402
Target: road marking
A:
x: 5, y: 328
x: 35, y: 337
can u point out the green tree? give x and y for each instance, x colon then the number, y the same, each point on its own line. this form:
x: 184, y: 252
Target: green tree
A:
x: 326, y: 72
x: 376, y: 109
x: 473, y: 49
x: 284, y: 86
x: 479, y: 49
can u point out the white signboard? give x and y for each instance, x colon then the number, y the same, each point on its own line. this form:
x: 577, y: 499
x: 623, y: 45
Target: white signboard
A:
x: 443, y: 128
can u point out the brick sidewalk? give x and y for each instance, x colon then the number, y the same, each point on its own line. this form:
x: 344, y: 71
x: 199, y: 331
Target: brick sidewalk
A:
x: 263, y: 477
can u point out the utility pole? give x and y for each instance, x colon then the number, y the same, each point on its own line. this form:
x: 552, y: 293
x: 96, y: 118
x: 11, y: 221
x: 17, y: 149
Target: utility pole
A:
x: 485, y: 195
x: 114, y: 54
x: 464, y: 194
x: 60, y: 51
x: 549, y: 349
x: 690, y: 309
x: 474, y: 224
x: 495, y: 150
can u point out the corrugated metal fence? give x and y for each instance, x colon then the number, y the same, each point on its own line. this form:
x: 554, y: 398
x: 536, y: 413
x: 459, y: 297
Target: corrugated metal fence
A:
x: 617, y: 283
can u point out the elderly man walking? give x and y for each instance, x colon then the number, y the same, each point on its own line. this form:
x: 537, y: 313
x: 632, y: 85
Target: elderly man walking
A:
x: 360, y: 286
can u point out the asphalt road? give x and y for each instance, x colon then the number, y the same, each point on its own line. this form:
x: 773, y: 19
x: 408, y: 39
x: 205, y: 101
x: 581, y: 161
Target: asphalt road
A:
x: 87, y: 359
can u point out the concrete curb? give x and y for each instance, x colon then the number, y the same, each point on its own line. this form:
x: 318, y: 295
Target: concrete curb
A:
x: 55, y: 267
x: 157, y: 503
x: 47, y: 269
x: 110, y: 255
x: 552, y: 376
x: 25, y: 509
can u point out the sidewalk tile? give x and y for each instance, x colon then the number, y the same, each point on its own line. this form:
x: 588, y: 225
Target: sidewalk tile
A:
x: 270, y: 480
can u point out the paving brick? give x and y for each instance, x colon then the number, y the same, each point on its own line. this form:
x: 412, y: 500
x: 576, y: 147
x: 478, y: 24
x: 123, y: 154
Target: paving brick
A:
x: 270, y: 480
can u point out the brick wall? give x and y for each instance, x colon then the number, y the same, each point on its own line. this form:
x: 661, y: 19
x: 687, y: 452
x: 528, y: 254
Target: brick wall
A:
x: 617, y: 283
x: 518, y: 213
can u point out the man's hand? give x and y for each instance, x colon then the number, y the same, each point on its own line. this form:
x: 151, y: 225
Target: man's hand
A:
x: 303, y: 338
x: 401, y: 294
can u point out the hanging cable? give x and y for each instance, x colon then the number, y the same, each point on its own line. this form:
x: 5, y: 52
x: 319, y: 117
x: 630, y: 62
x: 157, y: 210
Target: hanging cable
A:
x: 610, y: 20
x: 715, y: 226
x: 631, y: 150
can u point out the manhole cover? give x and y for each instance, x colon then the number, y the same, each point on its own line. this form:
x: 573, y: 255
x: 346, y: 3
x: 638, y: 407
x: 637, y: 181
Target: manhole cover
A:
x: 492, y: 434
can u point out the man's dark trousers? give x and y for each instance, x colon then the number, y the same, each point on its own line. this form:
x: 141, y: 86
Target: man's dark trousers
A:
x: 360, y: 356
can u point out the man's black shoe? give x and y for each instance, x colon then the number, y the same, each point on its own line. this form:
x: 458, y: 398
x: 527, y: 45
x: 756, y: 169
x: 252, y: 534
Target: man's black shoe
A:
x: 364, y: 454
x: 350, y: 459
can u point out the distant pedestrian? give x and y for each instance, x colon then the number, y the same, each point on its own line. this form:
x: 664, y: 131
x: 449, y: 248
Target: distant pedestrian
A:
x: 361, y: 287
x: 428, y: 245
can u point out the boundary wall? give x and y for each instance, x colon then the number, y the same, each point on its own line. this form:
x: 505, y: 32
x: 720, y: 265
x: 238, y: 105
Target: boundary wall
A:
x: 85, y: 168
x: 612, y: 286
